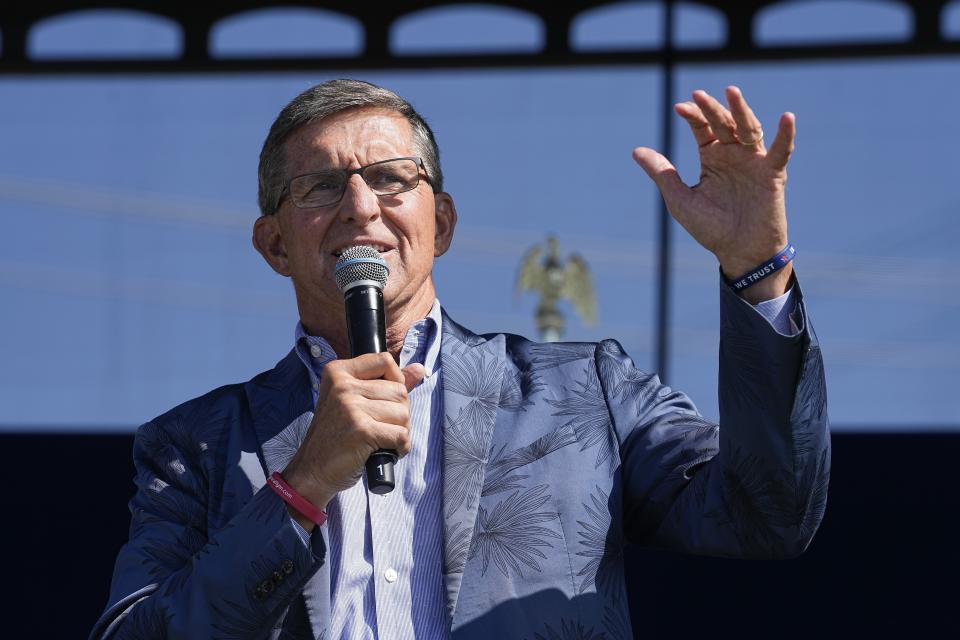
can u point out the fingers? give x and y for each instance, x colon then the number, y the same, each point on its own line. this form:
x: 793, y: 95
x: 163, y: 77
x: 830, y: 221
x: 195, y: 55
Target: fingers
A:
x: 413, y: 374
x: 709, y: 120
x: 366, y: 424
x: 382, y: 435
x: 387, y: 411
x: 378, y: 367
x: 782, y: 147
x: 699, y: 125
x: 375, y: 387
x: 358, y: 378
x: 721, y: 121
x: 362, y: 405
x: 370, y: 366
x: 381, y: 424
x: 748, y: 129
x: 662, y: 172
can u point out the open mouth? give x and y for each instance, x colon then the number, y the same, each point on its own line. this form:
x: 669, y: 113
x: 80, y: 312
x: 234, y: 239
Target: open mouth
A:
x: 379, y: 247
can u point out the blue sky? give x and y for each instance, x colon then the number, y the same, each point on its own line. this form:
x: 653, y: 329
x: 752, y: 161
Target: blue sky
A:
x: 130, y: 284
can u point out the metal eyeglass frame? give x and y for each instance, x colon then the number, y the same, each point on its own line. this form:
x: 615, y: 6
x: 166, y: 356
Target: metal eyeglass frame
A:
x: 347, y: 174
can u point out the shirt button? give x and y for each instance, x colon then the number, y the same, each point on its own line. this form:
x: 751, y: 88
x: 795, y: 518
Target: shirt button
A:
x: 390, y: 575
x: 316, y: 386
x: 315, y: 351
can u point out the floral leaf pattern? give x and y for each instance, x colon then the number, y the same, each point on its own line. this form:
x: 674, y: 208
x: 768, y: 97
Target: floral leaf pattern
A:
x: 252, y: 617
x: 234, y: 620
x: 501, y: 478
x: 518, y: 388
x: 556, y: 354
x: 630, y: 384
x: 458, y: 541
x: 616, y: 619
x: 755, y: 502
x: 602, y: 545
x: 509, y: 536
x: 464, y: 462
x: 811, y: 495
x: 161, y: 558
x: 811, y: 406
x: 568, y: 630
x: 478, y: 380
x: 589, y: 417
x: 280, y: 449
x: 696, y: 427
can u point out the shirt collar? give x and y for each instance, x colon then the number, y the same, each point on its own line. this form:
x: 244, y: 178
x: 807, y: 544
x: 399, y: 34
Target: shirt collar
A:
x: 420, y: 344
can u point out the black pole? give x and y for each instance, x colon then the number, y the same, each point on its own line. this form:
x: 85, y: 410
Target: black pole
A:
x: 666, y: 148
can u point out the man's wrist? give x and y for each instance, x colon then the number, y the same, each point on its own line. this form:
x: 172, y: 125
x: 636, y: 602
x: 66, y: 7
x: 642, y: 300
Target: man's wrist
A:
x: 295, y: 501
x: 301, y: 519
x: 309, y: 488
x: 770, y: 287
x: 760, y: 280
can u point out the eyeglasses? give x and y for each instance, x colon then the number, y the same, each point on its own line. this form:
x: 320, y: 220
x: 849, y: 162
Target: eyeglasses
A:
x: 385, y: 178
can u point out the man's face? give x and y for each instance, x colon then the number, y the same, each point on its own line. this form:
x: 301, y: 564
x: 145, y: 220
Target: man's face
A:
x: 409, y: 228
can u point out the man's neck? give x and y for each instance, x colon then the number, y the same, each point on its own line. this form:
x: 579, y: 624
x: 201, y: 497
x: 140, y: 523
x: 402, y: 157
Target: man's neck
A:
x: 334, y: 330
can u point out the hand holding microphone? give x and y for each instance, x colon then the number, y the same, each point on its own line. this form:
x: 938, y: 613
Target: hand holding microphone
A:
x: 362, y: 417
x: 361, y: 276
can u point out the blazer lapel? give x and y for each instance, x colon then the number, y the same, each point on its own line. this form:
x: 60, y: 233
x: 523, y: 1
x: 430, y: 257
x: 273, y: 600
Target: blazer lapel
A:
x: 472, y: 376
x: 278, y: 399
x: 282, y: 407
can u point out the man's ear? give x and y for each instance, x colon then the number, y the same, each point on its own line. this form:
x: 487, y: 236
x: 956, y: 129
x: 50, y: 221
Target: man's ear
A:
x: 446, y: 222
x: 269, y: 242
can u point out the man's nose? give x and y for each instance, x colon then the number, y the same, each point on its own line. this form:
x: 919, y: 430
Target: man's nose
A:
x: 359, y: 205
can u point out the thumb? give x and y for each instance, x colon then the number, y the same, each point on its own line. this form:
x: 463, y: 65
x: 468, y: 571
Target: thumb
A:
x: 661, y: 171
x: 413, y: 374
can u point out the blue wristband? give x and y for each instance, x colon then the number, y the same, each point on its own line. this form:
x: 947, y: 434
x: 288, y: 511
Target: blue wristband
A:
x: 760, y: 272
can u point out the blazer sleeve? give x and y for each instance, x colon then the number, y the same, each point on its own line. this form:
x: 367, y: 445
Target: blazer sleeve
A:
x: 754, y: 485
x: 173, y: 579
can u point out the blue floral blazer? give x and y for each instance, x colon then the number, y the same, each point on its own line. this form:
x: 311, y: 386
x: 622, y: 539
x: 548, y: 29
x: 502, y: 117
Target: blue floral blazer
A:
x: 555, y: 456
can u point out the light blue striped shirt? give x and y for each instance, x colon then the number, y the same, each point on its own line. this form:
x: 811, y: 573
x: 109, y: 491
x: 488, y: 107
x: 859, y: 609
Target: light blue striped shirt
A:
x: 386, y: 551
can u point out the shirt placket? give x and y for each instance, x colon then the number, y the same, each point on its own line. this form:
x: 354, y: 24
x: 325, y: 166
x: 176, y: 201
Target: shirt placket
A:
x: 379, y: 528
x: 391, y: 530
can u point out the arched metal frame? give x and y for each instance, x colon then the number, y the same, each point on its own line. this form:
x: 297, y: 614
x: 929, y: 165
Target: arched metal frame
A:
x: 197, y: 20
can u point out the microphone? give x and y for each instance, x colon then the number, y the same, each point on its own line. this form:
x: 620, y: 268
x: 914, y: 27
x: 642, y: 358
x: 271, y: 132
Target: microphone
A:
x: 361, y: 275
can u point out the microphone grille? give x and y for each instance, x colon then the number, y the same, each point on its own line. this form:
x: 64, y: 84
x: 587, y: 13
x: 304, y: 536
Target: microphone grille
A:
x: 360, y: 263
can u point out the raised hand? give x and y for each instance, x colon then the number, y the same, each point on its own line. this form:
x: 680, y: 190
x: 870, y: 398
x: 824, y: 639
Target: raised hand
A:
x: 737, y: 209
x: 362, y: 406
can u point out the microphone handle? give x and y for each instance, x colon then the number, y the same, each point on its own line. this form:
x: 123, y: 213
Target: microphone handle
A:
x: 367, y: 331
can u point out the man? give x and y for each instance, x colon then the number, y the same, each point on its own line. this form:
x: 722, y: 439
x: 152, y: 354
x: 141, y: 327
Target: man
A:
x: 524, y: 466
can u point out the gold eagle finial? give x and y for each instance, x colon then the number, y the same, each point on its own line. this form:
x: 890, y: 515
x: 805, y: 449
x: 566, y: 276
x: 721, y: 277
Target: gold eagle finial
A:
x: 555, y: 281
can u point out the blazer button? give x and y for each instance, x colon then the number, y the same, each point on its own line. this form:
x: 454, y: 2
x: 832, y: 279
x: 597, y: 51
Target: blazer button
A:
x: 287, y: 566
x: 266, y: 586
x: 277, y: 577
x: 258, y: 593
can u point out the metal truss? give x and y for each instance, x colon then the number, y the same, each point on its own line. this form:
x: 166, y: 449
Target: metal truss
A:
x: 197, y: 19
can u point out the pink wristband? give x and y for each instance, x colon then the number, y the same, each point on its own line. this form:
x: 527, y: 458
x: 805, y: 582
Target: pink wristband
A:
x: 295, y: 500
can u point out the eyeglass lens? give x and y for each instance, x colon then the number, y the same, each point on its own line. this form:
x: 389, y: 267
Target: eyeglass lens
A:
x: 326, y: 187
